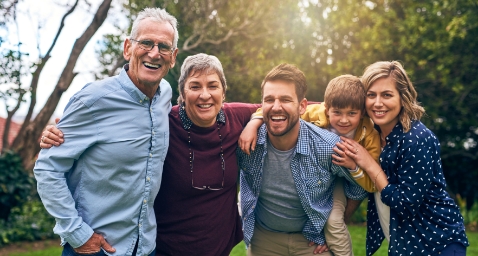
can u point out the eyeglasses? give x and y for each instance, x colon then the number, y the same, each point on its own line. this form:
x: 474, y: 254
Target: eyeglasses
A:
x: 223, y: 166
x: 148, y: 45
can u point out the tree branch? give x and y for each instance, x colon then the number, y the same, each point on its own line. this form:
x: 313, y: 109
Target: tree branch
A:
x: 26, y: 143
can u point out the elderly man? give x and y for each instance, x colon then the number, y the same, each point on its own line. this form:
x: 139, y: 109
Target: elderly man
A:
x: 287, y: 181
x: 101, y: 184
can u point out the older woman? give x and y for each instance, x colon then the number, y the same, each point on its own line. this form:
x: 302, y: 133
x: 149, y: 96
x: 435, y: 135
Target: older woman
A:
x: 412, y: 210
x: 196, y: 209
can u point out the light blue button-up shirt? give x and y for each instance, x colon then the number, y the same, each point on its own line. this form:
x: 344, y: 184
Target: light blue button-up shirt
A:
x: 105, y: 176
x: 313, y: 173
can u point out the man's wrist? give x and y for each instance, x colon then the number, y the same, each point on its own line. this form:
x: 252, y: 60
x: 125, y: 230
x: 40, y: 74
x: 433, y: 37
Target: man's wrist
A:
x: 79, y: 236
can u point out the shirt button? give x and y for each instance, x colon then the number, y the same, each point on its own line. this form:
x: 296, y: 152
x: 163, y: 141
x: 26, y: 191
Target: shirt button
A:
x: 144, y: 201
x: 154, y: 133
x: 139, y: 225
x: 320, y: 182
x: 140, y: 101
x: 150, y: 155
x: 148, y: 179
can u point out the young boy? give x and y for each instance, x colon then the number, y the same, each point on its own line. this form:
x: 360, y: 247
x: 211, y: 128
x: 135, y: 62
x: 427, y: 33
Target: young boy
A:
x: 343, y: 113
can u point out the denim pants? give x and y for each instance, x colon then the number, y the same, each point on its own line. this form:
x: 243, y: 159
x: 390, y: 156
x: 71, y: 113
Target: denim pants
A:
x: 68, y: 251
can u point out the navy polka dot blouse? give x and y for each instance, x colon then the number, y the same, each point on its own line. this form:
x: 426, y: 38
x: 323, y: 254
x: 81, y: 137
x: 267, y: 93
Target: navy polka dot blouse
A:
x: 423, y: 217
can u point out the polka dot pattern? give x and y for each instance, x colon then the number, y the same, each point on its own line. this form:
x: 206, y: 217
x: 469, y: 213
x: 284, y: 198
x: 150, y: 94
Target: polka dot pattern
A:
x: 423, y: 217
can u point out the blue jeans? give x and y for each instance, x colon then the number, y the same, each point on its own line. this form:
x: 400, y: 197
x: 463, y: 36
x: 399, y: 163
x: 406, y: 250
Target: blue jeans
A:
x: 68, y: 251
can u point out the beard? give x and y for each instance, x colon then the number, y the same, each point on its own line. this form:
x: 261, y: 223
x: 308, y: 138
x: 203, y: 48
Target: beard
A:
x: 282, y: 129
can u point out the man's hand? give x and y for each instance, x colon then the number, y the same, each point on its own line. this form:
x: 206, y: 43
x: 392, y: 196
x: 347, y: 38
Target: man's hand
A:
x: 320, y: 248
x: 51, y: 136
x: 94, y: 245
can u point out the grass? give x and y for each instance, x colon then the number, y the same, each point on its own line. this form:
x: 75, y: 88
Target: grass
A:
x: 357, y: 233
x: 49, y: 251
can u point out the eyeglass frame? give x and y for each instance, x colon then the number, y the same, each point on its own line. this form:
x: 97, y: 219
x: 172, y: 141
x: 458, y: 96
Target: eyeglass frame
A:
x: 170, y: 51
x: 223, y: 166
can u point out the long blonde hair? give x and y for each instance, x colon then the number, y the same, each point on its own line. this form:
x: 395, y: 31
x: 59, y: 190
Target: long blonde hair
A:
x: 411, y: 109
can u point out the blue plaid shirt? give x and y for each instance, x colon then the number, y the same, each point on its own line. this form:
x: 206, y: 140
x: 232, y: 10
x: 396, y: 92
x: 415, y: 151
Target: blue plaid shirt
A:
x: 313, y: 173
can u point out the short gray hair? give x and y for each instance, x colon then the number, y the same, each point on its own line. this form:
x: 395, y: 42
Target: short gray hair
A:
x: 200, y: 64
x: 159, y: 15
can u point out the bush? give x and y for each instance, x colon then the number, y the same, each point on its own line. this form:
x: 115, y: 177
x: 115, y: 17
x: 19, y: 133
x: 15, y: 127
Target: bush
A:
x: 16, y: 184
x: 29, y: 222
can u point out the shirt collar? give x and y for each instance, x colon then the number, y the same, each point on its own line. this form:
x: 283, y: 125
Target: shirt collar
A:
x: 187, y: 123
x: 131, y: 88
x: 395, y: 134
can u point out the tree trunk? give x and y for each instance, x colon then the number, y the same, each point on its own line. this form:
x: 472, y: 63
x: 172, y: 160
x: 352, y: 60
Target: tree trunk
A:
x: 27, y: 146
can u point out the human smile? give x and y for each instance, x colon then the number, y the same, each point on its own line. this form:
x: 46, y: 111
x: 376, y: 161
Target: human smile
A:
x: 278, y: 118
x: 205, y: 105
x: 151, y: 65
x: 379, y: 113
x: 344, y: 126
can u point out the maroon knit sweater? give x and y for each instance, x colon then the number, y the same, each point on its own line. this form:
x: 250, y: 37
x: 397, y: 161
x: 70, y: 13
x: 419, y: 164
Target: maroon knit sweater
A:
x: 201, y: 222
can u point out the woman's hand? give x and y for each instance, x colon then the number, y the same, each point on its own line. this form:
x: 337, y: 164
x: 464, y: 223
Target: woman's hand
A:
x: 51, y: 136
x: 356, y: 152
x: 248, y: 139
x: 342, y: 159
x: 364, y: 160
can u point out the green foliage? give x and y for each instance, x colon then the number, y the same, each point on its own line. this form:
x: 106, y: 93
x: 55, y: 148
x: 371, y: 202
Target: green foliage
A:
x: 28, y: 222
x: 47, y: 252
x: 357, y: 232
x: 12, y: 69
x: 436, y: 41
x: 15, y: 183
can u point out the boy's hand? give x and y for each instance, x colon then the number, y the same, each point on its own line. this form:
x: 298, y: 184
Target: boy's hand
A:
x: 248, y: 139
x: 342, y: 159
x: 51, y: 136
x: 357, y: 153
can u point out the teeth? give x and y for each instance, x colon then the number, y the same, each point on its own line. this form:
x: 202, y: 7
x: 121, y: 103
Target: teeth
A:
x: 151, y: 65
x: 205, y: 105
x: 278, y: 117
x: 380, y: 112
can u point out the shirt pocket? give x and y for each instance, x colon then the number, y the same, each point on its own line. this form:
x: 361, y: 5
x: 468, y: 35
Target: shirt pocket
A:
x: 317, y: 180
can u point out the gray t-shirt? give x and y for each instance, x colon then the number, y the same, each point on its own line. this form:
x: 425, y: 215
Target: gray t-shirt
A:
x: 279, y: 208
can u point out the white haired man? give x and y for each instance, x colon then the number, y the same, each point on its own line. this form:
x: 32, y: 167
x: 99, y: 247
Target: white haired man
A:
x: 101, y: 184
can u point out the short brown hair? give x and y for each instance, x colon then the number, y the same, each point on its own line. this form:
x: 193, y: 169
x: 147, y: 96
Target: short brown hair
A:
x: 411, y: 109
x: 345, y: 91
x: 289, y: 73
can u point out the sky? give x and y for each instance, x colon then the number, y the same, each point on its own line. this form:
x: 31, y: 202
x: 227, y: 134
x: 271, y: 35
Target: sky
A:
x: 48, y: 14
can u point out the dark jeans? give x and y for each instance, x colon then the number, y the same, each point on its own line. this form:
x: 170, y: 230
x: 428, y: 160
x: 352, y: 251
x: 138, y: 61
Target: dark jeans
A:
x: 68, y: 251
x: 454, y: 249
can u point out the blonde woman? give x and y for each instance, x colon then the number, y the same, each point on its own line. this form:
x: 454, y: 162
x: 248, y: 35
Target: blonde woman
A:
x: 412, y: 208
